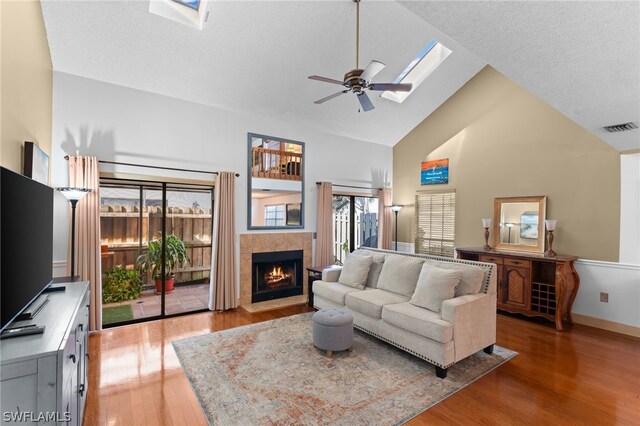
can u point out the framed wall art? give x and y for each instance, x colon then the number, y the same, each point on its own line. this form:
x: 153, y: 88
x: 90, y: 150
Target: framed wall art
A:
x: 434, y: 172
x: 36, y: 163
x: 293, y: 214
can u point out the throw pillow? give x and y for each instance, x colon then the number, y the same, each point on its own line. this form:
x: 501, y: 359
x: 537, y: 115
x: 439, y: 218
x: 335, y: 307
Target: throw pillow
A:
x: 376, y: 266
x: 435, y: 285
x: 400, y: 274
x: 471, y: 279
x: 355, y: 271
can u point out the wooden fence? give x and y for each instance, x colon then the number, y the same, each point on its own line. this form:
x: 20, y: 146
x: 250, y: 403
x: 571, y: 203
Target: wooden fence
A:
x: 125, y: 231
x: 366, y: 228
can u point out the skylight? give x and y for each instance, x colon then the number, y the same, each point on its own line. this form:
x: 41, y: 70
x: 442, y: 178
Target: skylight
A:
x: 429, y: 58
x: 193, y: 4
x: 188, y: 12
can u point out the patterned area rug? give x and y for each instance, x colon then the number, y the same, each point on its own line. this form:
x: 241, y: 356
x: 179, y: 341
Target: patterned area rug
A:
x: 270, y: 373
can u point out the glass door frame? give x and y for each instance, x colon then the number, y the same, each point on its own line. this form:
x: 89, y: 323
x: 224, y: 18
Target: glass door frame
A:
x: 352, y: 216
x: 163, y: 186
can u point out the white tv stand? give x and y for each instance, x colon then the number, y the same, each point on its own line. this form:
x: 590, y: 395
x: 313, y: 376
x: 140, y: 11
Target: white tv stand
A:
x: 44, y: 376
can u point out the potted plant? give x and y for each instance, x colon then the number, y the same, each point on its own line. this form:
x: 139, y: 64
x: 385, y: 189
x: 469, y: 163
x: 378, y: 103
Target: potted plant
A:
x: 121, y: 284
x: 175, y: 256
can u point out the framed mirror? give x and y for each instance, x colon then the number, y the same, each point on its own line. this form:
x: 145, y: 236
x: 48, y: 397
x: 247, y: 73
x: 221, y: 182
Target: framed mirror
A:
x: 276, y: 183
x: 518, y: 223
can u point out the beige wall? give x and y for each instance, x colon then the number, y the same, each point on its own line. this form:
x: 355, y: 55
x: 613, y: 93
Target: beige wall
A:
x: 25, y: 81
x: 503, y: 141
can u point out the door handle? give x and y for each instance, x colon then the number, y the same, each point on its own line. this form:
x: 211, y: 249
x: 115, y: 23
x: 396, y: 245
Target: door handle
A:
x: 73, y: 358
x: 81, y: 390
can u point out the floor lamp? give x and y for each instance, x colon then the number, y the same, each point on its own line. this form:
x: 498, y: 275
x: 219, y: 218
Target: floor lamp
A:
x: 73, y: 195
x: 396, y: 208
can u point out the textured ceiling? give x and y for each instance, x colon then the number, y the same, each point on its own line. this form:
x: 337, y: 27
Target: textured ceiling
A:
x: 255, y: 57
x: 580, y: 57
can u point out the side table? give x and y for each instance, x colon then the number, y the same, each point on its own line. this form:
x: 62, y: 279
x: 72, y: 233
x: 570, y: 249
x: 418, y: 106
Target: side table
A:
x: 315, y: 273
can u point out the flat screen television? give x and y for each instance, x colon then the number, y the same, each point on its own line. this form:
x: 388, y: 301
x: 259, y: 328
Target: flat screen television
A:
x: 26, y: 242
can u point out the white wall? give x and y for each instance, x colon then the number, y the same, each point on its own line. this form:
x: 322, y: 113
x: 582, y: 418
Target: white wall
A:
x: 620, y: 281
x: 630, y: 209
x: 121, y: 124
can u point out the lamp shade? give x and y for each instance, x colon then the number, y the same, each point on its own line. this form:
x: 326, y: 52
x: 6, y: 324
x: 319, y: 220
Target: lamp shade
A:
x: 486, y: 223
x: 73, y: 194
x: 396, y: 207
x: 509, y: 225
x: 551, y: 224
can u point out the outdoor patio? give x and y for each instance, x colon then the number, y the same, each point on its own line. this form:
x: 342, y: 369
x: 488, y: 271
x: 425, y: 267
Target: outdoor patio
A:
x: 183, y: 299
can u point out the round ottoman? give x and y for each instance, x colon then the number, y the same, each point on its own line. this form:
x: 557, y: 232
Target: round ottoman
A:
x: 333, y: 330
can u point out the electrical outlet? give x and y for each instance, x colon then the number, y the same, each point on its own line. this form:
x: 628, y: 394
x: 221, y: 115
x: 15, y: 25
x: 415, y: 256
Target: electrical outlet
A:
x: 604, y: 297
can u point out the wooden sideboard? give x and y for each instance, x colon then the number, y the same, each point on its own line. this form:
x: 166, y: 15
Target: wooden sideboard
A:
x: 532, y: 284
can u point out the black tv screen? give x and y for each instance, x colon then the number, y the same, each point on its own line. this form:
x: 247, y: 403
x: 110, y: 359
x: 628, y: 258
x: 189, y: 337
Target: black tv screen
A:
x: 26, y: 242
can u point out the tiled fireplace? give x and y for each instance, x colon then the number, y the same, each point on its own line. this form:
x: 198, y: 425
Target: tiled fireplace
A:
x: 272, y: 265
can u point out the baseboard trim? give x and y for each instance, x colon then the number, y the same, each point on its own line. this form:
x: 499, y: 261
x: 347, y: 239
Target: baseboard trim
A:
x: 603, y: 324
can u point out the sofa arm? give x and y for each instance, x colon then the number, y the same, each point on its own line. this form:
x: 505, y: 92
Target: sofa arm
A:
x: 474, y: 322
x: 330, y: 275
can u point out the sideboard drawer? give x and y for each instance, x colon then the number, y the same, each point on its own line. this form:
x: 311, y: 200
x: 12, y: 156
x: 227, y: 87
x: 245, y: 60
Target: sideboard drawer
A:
x: 520, y: 263
x: 490, y: 259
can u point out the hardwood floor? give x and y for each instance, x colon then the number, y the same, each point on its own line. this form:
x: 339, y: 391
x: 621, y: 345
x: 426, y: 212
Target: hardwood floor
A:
x: 582, y: 376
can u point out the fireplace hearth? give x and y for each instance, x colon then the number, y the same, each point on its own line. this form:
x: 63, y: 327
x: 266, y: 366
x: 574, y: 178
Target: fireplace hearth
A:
x: 276, y: 275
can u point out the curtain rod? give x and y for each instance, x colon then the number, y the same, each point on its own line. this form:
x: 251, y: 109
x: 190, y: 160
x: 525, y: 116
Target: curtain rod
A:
x: 66, y: 157
x: 352, y: 186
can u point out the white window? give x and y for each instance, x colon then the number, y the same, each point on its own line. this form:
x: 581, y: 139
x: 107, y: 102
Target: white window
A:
x: 274, y: 215
x: 435, y: 222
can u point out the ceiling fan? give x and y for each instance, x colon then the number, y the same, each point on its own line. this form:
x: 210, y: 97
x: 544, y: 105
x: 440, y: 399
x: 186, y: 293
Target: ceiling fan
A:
x: 358, y: 79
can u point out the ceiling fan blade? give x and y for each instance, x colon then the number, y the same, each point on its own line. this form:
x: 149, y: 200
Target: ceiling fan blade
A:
x: 371, y: 70
x: 365, y: 101
x: 393, y: 87
x: 326, y: 79
x: 319, y: 101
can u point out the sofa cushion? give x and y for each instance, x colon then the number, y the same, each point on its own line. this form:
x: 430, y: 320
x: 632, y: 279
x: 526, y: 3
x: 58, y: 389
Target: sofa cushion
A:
x: 371, y: 302
x: 355, y: 271
x: 376, y: 266
x: 334, y: 292
x: 418, y: 320
x: 435, y: 285
x: 400, y: 274
x: 471, y: 279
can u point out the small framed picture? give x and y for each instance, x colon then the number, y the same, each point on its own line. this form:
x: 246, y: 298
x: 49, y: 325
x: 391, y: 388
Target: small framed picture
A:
x: 36, y: 163
x: 293, y: 214
x: 434, y: 172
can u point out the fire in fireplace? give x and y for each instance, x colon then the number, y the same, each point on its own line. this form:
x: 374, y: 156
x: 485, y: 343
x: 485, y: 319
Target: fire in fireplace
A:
x: 276, y: 275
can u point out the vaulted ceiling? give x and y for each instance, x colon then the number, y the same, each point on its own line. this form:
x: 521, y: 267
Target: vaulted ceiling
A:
x: 255, y: 56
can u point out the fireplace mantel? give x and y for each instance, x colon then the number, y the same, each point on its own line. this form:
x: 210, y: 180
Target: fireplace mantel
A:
x: 269, y: 242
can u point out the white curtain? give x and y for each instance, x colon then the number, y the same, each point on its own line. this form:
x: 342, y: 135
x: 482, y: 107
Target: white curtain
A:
x: 223, y: 293
x: 83, y: 173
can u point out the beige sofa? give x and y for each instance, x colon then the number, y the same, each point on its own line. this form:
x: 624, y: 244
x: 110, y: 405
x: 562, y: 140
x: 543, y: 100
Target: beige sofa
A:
x: 385, y: 306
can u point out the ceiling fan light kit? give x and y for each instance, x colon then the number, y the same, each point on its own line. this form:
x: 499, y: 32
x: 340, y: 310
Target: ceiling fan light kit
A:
x: 359, y: 79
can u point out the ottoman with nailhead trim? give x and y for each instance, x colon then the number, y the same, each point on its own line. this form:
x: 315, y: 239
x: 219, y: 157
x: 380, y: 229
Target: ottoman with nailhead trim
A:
x: 333, y: 330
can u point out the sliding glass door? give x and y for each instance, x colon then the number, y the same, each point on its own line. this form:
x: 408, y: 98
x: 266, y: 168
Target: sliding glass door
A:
x: 355, y: 224
x: 137, y: 283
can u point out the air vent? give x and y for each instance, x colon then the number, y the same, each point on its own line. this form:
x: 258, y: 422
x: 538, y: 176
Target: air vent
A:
x: 621, y: 127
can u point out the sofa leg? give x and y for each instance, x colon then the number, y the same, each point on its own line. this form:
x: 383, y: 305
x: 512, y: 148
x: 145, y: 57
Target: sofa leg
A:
x: 441, y: 372
x: 488, y: 349
x: 329, y: 354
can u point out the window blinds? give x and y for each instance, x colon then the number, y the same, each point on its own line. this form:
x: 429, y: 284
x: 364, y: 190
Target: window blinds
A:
x: 435, y: 222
